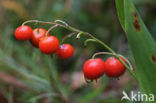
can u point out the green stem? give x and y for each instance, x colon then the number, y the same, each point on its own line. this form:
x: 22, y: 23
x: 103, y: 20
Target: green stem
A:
x: 102, y: 43
x: 68, y: 36
x: 36, y: 21
x: 88, y: 35
x: 89, y: 40
x: 102, y: 53
x: 129, y: 67
x: 66, y: 26
x: 51, y: 28
x: 71, y: 29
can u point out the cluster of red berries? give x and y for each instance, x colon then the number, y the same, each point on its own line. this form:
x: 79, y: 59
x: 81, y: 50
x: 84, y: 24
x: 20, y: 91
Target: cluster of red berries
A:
x: 95, y: 68
x: 48, y: 44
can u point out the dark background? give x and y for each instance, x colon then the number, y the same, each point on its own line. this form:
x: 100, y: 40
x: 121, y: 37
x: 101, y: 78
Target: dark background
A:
x: 25, y: 71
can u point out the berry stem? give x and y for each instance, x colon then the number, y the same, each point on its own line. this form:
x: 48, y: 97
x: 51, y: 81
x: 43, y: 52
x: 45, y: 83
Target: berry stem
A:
x: 66, y: 26
x: 126, y: 61
x: 100, y: 42
x: 129, y: 66
x: 68, y: 36
x: 37, y: 21
x: 60, y: 23
x: 51, y: 28
x: 87, y: 80
x: 88, y: 35
x: 102, y: 53
x: 89, y: 40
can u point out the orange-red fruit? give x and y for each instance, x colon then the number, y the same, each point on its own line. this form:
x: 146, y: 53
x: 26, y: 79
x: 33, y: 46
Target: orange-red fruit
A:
x: 49, y: 45
x: 23, y: 33
x: 65, y: 51
x: 114, y: 68
x: 38, y: 34
x: 94, y: 68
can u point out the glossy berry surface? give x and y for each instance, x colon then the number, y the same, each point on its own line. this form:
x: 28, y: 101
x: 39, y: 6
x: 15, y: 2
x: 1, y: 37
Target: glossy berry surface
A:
x: 23, y: 33
x: 49, y: 45
x: 114, y: 68
x: 94, y: 68
x: 38, y: 34
x: 65, y: 51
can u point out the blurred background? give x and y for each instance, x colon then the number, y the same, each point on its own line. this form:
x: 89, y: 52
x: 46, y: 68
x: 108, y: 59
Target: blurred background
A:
x: 28, y: 76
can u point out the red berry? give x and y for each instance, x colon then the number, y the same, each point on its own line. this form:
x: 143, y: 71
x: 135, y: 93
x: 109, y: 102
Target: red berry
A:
x: 65, y: 51
x: 49, y: 45
x: 94, y: 68
x: 23, y: 33
x: 38, y: 34
x: 114, y: 68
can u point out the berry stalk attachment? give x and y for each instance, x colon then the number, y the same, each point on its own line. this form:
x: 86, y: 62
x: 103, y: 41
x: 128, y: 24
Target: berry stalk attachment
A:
x: 91, y: 38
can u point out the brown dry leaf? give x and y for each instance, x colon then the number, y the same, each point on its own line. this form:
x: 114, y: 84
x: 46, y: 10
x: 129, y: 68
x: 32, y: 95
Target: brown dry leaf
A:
x: 77, y: 80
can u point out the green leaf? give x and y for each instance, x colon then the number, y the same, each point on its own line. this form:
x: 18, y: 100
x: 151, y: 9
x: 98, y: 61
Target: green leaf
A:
x: 120, y: 8
x: 142, y: 45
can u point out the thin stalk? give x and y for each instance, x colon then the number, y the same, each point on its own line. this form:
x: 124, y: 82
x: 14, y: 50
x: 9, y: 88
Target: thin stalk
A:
x: 127, y: 61
x: 66, y: 26
x: 37, y: 21
x: 51, y: 28
x: 102, y: 43
x: 71, y: 29
x: 68, y: 36
x: 88, y: 35
x: 130, y: 69
x: 102, y: 53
